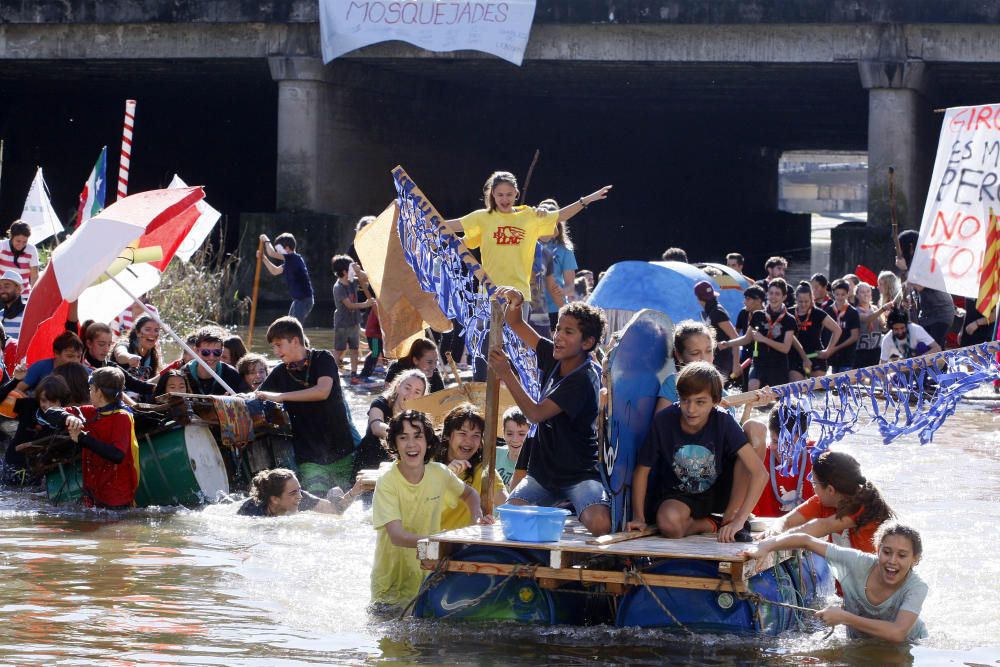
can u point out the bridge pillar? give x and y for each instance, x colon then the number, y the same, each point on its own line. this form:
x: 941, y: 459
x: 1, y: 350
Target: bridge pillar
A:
x: 898, y: 124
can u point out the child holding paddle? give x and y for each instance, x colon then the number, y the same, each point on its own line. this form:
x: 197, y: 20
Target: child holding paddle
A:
x: 407, y: 506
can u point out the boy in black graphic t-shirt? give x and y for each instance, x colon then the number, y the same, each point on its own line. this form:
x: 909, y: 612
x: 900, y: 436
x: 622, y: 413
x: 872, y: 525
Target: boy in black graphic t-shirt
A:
x: 703, y: 465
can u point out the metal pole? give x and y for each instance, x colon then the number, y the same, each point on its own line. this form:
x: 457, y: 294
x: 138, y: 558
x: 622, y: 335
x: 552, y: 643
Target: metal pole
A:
x: 170, y: 332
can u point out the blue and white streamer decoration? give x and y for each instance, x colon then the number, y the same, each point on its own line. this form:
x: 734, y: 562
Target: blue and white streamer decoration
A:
x: 900, y: 398
x: 445, y: 268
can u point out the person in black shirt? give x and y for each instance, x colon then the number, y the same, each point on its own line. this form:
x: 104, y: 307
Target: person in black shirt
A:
x: 564, y: 457
x: 308, y: 383
x: 277, y: 492
x: 776, y: 267
x: 810, y: 359
x: 209, y: 346
x: 820, y: 285
x: 770, y: 334
x: 422, y: 355
x: 714, y: 315
x: 848, y: 320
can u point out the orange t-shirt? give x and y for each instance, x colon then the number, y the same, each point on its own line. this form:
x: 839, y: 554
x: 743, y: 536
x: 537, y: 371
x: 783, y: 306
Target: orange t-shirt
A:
x: 861, y: 538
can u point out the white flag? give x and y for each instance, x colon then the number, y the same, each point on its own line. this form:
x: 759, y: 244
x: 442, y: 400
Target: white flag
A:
x: 208, y: 217
x: 38, y: 211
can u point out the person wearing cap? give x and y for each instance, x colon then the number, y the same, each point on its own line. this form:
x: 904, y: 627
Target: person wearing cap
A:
x: 11, y: 305
x: 714, y: 315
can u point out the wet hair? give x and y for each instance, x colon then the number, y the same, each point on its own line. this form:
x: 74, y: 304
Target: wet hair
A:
x: 796, y: 419
x: 755, y: 292
x: 341, y: 264
x: 890, y: 528
x: 514, y: 414
x: 210, y: 334
x: 364, y: 222
x: 686, y: 329
x: 237, y: 349
x: 495, y: 179
x: 270, y: 483
x: 18, y: 228
x: 777, y: 260
x: 133, y: 341
x: 54, y: 389
x: 736, y: 257
x: 820, y: 280
x: 67, y: 340
x: 161, y: 384
x: 92, y: 330
x: 285, y: 240
x: 77, y: 378
x: 589, y: 318
x: 286, y: 328
x: 698, y: 377
x: 843, y: 472
x: 248, y: 360
x: 897, y: 316
x: 391, y: 392
x: 675, y: 255
x: 110, y: 381
x: 840, y: 283
x: 457, y: 417
x: 413, y: 418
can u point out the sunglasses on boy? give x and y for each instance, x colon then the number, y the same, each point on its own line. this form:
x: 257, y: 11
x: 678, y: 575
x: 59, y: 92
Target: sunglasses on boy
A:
x: 211, y: 353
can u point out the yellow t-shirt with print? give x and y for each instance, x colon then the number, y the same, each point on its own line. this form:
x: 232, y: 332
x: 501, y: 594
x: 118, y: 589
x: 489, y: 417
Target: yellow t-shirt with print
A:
x: 508, y: 242
x: 396, y: 573
x: 459, y: 516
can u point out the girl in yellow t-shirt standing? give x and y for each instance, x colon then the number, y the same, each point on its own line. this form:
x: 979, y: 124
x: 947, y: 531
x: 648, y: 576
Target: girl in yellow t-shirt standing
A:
x: 407, y: 507
x: 507, y: 234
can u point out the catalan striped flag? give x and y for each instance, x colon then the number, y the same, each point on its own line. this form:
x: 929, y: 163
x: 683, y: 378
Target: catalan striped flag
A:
x: 989, y: 289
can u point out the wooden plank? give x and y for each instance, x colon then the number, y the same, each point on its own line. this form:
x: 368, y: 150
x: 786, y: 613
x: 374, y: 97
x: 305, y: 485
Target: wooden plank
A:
x: 624, y: 536
x: 582, y: 575
x: 492, y: 408
x: 576, y: 539
x: 748, y: 569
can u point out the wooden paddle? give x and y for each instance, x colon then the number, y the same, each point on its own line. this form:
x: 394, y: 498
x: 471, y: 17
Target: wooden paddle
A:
x: 454, y: 368
x: 256, y: 289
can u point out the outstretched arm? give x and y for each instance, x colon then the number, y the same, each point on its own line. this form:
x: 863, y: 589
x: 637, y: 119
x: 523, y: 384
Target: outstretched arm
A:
x: 567, y: 212
x: 892, y: 631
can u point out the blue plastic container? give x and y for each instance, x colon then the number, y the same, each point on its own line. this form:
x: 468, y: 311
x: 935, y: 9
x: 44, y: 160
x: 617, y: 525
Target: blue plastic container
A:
x: 528, y: 523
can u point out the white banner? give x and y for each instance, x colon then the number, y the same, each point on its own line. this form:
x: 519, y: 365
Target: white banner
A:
x: 38, y: 211
x: 500, y: 28
x: 965, y: 185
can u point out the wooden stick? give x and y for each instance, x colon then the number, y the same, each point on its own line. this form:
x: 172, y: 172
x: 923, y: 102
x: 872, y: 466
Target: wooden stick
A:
x: 625, y: 536
x: 892, y: 211
x: 492, y: 409
x: 527, y: 179
x: 256, y: 290
x: 454, y: 368
x: 812, y: 384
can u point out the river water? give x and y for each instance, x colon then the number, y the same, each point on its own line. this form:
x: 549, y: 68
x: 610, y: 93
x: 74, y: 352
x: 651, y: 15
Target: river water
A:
x: 205, y: 587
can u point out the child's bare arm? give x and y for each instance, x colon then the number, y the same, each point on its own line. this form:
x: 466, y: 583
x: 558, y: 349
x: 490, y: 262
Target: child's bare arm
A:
x: 640, y: 478
x: 758, y: 480
x: 320, y: 392
x: 401, y: 537
x: 471, y: 499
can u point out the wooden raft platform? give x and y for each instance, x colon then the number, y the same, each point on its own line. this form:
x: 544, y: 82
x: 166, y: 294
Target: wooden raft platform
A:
x: 567, y: 556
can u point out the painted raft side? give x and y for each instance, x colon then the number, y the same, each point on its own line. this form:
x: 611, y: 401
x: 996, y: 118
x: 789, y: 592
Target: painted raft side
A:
x: 576, y: 539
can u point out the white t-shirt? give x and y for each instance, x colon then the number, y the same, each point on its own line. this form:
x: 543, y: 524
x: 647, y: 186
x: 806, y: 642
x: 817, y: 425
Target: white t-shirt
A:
x: 909, y: 346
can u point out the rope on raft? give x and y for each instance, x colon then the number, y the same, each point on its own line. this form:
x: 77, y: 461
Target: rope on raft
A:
x: 445, y: 268
x: 902, y: 397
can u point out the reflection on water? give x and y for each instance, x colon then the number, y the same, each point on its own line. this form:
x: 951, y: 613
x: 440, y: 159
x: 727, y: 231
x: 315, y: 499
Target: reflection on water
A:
x: 210, y: 588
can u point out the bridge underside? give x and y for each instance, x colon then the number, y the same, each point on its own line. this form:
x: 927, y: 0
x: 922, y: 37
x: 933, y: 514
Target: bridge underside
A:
x: 692, y: 149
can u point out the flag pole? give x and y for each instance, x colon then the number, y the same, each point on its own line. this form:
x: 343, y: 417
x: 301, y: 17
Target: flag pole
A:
x: 170, y: 332
x: 256, y: 291
x: 125, y: 159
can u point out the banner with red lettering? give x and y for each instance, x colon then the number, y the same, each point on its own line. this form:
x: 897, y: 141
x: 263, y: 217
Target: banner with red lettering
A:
x: 965, y: 185
x: 500, y: 28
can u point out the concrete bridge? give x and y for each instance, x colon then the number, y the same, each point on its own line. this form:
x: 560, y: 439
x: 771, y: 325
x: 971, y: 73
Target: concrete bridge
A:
x: 685, y: 105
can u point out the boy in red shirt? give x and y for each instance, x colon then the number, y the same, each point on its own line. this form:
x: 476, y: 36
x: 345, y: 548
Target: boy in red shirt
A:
x: 106, y: 433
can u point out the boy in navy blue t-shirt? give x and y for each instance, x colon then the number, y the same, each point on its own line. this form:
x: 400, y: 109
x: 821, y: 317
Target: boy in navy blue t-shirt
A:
x: 693, y: 447
x: 294, y: 269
